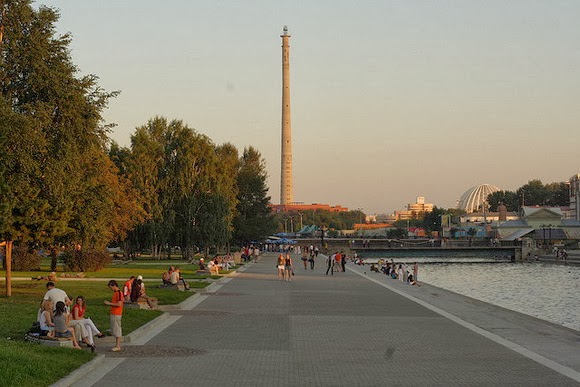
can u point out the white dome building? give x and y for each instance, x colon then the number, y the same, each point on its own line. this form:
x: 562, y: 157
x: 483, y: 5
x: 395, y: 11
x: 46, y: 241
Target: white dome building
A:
x: 473, y: 198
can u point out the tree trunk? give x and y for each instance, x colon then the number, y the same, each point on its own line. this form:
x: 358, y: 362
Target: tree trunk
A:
x: 8, y: 261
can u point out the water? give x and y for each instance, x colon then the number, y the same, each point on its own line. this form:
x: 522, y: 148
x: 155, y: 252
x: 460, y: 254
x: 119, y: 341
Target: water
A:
x: 546, y: 291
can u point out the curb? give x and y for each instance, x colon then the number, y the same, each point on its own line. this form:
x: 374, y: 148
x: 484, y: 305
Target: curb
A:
x: 80, y: 372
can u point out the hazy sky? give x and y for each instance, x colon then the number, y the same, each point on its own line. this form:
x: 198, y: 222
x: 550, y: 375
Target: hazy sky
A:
x: 390, y: 99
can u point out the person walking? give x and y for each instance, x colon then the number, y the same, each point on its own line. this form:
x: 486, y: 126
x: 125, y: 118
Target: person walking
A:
x: 415, y: 272
x: 116, y: 313
x: 343, y: 261
x: 288, y: 268
x: 330, y: 264
x: 281, y: 262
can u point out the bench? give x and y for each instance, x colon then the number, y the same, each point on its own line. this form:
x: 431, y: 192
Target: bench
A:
x: 178, y: 286
x: 65, y: 342
x: 142, y: 304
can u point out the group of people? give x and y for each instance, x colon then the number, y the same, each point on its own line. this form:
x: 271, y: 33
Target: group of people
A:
x: 285, y: 267
x: 173, y: 277
x: 250, y: 252
x: 336, y: 262
x: 59, y: 317
x: 400, y: 271
x: 134, y: 291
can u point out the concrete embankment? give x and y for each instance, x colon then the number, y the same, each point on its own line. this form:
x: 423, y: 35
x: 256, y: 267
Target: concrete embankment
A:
x: 543, y: 341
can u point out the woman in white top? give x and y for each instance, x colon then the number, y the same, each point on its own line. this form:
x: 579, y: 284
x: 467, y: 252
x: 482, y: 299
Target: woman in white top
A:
x: 45, y: 318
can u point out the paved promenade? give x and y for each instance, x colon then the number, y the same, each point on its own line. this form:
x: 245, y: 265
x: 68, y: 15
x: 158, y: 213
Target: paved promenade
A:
x: 342, y: 330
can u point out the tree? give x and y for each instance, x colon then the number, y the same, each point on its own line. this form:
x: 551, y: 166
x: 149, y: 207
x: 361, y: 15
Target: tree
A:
x: 508, y: 198
x: 534, y: 193
x: 188, y: 187
x: 432, y: 220
x: 253, y: 220
x: 60, y: 186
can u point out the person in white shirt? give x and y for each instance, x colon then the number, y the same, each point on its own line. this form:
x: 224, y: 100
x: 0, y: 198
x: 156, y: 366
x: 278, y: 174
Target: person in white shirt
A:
x: 55, y: 295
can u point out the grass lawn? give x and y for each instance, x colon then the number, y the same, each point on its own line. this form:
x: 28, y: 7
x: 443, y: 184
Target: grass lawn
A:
x: 25, y: 364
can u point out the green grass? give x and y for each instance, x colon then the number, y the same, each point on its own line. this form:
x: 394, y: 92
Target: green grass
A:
x: 25, y: 364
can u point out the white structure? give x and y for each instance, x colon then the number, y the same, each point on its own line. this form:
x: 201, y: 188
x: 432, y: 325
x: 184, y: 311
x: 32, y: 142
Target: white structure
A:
x: 286, y: 195
x: 472, y: 200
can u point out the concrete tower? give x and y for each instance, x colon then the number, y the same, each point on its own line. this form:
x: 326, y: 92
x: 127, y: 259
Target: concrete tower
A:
x: 286, y: 195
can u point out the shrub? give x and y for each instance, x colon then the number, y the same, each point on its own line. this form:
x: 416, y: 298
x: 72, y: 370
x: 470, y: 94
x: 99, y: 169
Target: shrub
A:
x: 25, y: 259
x: 81, y: 260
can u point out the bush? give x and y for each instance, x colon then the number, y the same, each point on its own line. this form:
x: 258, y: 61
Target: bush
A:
x: 81, y: 260
x: 25, y: 259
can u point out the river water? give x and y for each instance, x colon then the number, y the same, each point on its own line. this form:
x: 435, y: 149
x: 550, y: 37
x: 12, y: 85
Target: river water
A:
x: 546, y: 291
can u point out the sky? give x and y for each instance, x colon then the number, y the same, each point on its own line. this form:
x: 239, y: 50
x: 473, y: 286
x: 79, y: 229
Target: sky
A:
x: 390, y: 100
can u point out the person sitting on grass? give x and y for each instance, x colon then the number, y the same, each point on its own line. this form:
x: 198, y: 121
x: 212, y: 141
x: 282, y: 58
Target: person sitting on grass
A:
x: 61, y: 326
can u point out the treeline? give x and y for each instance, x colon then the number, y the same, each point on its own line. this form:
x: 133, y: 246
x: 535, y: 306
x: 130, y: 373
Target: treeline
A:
x: 533, y: 193
x: 292, y: 221
x: 62, y: 183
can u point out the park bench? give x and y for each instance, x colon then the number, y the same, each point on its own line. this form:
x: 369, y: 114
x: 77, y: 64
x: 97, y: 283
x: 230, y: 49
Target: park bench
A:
x: 142, y: 304
x: 178, y: 286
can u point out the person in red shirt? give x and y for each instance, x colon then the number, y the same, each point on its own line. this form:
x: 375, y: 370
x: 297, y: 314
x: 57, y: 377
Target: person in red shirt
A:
x: 116, y: 313
x: 127, y: 288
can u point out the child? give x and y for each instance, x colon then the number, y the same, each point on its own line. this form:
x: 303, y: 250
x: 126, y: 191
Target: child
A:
x: 116, y: 313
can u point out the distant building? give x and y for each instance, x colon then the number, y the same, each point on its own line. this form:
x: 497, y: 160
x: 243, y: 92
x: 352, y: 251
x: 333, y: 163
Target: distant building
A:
x: 386, y: 218
x: 370, y: 219
x: 295, y: 207
x: 472, y: 200
x: 414, y: 210
x: 478, y: 217
x: 545, y: 225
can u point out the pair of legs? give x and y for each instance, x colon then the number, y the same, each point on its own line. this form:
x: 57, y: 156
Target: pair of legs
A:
x: 288, y: 273
x: 281, y: 275
x: 116, y: 331
x: 71, y: 334
x: 80, y: 332
x: 91, y: 329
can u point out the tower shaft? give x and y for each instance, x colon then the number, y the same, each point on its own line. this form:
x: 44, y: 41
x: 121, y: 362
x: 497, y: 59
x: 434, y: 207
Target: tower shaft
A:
x: 286, y: 195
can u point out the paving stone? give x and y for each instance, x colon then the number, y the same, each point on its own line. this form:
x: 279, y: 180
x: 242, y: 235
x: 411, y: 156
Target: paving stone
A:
x: 318, y: 330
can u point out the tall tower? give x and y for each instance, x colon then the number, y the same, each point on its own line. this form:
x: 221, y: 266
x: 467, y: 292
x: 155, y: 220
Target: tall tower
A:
x: 286, y: 196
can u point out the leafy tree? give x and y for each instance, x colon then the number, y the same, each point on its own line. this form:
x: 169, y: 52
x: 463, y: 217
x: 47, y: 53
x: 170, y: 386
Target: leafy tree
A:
x: 253, y: 218
x: 508, y: 198
x: 432, y: 220
x: 559, y: 194
x: 534, y: 193
x: 60, y: 186
x: 188, y: 187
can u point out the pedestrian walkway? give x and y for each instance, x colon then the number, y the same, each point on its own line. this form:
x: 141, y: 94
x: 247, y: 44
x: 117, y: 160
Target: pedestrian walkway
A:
x: 343, y: 330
